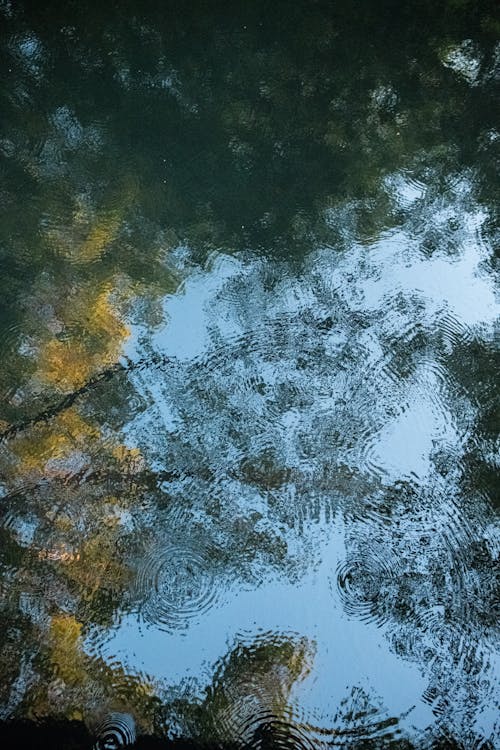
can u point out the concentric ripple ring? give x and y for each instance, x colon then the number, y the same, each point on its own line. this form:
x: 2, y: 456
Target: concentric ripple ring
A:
x: 175, y: 586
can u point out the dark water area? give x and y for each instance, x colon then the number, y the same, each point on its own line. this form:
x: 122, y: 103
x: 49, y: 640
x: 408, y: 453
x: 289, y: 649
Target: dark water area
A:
x: 248, y: 381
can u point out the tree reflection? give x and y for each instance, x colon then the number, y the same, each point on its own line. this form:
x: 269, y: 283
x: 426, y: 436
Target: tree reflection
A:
x: 281, y: 129
x: 250, y: 690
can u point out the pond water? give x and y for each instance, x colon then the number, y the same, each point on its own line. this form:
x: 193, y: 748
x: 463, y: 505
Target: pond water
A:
x: 248, y: 327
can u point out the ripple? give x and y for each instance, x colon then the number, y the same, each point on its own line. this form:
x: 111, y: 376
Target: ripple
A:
x: 416, y: 425
x: 177, y: 586
x: 358, y: 717
x: 11, y: 337
x: 265, y: 343
x: 361, y: 583
x: 454, y: 331
x: 268, y: 731
x: 117, y: 730
x: 406, y: 188
x: 458, y: 537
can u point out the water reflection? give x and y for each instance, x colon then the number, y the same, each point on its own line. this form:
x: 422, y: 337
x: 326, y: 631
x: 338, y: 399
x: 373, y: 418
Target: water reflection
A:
x: 292, y: 403
x: 247, y: 318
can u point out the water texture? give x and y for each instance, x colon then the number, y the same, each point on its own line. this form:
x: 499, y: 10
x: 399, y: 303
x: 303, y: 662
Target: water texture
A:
x: 248, y: 399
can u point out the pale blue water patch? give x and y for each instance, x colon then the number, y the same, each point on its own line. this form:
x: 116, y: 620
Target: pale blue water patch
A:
x: 395, y: 266
x: 186, y: 333
x: 404, y: 447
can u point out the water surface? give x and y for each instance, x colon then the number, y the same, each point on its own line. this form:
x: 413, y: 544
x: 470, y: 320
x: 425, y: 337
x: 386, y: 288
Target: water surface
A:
x: 248, y: 326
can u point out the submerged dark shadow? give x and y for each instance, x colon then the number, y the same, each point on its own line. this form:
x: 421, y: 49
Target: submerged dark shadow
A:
x: 74, y: 735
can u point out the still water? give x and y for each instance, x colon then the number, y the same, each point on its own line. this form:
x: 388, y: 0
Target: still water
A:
x: 248, y: 417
